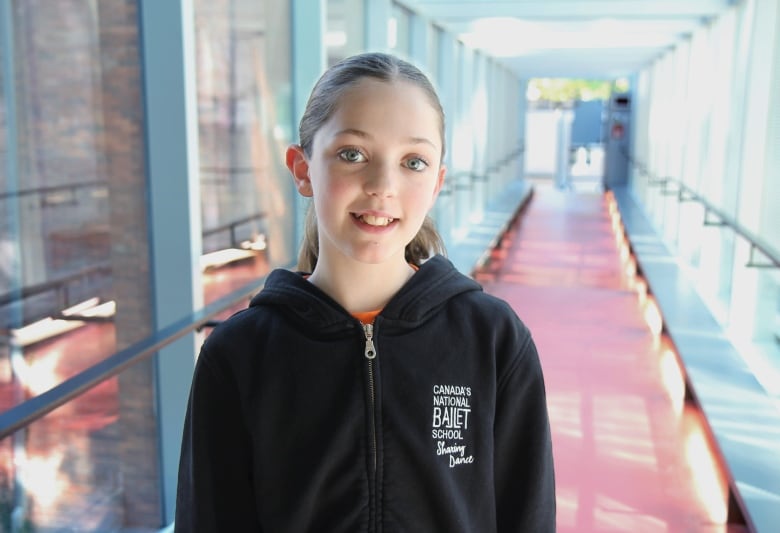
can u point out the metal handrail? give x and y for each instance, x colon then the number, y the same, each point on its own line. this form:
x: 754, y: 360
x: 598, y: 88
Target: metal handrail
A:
x: 451, y: 183
x: 60, y: 283
x: 71, y: 187
x: 231, y: 226
x: 56, y: 284
x: 687, y: 193
x: 37, y: 407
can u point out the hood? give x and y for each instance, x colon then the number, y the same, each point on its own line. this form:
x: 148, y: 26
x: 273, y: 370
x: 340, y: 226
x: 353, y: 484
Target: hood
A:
x: 436, y: 282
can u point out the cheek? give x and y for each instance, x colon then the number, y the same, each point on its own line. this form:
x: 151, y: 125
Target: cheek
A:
x: 428, y: 189
x: 332, y: 195
x: 331, y: 179
x: 422, y: 197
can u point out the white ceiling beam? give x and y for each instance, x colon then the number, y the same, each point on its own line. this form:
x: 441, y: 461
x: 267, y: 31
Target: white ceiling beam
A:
x: 449, y: 10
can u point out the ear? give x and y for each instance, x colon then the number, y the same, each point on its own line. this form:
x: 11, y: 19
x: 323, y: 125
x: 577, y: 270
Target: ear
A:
x: 299, y: 168
x: 439, y: 184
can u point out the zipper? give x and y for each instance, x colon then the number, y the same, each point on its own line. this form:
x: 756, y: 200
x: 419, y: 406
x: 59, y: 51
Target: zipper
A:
x: 370, y: 354
x: 368, y: 330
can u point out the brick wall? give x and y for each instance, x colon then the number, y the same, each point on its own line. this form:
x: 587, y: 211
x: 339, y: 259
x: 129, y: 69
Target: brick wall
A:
x: 123, y: 146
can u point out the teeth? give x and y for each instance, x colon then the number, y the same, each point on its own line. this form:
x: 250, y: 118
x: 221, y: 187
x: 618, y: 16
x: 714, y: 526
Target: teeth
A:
x: 375, y: 221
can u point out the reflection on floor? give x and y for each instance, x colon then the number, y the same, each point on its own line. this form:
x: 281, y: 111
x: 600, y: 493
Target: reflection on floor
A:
x: 631, y: 455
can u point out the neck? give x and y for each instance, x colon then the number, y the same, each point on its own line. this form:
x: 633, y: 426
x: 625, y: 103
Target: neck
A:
x: 361, y: 287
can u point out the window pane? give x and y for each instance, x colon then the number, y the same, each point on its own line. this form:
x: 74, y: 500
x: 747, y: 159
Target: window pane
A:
x: 243, y: 79
x: 78, y: 155
x: 344, y: 30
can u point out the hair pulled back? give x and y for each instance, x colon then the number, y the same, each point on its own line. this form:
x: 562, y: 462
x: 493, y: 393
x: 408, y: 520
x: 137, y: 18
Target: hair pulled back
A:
x: 323, y: 101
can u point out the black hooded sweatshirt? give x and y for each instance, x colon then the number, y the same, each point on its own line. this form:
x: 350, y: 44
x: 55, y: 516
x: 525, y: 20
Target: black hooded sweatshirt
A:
x: 301, y: 419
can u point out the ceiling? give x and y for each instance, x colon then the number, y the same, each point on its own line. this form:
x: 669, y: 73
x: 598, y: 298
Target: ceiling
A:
x: 595, y: 39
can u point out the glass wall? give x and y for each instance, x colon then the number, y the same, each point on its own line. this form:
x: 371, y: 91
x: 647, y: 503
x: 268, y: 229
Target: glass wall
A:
x: 59, y: 194
x: 74, y: 241
x: 706, y: 107
x: 243, y: 80
x: 73, y: 154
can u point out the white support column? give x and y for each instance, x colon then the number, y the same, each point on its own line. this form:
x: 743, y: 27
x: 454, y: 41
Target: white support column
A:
x: 497, y: 140
x: 492, y: 119
x: 446, y: 85
x: 463, y: 149
x: 478, y: 118
x: 12, y: 247
x: 378, y: 13
x: 309, y: 59
x: 12, y: 217
x: 168, y: 50
x: 519, y: 88
x: 564, y: 119
x: 420, y: 29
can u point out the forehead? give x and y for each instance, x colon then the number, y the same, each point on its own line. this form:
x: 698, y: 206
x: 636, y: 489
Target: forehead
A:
x: 370, y: 84
x: 380, y: 107
x: 398, y: 93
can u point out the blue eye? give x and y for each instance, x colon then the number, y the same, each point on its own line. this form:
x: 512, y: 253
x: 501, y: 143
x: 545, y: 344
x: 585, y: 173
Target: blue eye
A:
x: 417, y: 164
x: 351, y: 155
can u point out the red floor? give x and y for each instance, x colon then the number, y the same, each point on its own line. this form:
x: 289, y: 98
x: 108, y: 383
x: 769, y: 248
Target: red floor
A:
x: 630, y: 454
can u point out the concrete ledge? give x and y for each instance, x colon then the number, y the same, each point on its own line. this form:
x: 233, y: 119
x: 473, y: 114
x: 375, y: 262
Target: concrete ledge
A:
x: 742, y: 416
x: 470, y: 252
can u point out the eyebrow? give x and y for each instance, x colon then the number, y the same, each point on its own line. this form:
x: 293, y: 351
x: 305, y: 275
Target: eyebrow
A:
x: 366, y: 135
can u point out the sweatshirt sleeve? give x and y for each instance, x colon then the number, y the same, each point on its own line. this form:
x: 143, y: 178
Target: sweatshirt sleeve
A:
x: 215, y: 491
x: 524, y: 477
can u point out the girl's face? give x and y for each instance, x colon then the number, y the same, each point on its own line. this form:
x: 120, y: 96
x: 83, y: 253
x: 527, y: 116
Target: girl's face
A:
x: 374, y: 172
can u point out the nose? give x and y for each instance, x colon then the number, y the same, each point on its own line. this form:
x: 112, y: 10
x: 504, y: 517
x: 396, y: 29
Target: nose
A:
x: 380, y: 180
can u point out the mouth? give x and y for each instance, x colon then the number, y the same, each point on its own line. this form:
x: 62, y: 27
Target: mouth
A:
x: 373, y: 220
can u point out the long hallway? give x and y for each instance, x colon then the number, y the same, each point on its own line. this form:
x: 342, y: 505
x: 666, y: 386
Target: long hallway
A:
x: 631, y: 453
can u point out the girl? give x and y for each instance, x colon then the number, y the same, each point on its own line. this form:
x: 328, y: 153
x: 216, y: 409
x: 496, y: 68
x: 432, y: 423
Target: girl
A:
x: 378, y: 389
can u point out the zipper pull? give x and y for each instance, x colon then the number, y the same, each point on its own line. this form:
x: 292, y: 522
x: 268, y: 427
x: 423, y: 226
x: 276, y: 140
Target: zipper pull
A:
x: 368, y: 329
